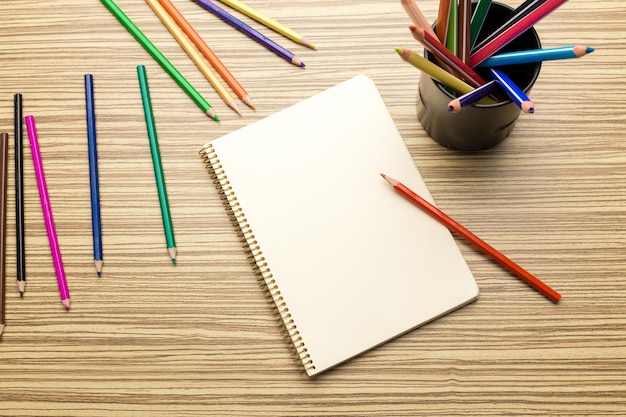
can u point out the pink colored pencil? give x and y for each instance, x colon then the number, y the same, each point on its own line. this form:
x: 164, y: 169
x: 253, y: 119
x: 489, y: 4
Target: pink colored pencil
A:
x: 513, y: 31
x: 47, y: 212
x: 443, y: 55
x: 417, y: 17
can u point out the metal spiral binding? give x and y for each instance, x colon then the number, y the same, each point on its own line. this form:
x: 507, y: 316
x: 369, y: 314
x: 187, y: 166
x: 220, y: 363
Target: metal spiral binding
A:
x: 255, y: 254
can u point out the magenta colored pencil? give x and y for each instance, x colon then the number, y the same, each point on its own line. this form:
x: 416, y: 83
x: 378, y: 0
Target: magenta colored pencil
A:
x: 515, y: 29
x: 47, y: 212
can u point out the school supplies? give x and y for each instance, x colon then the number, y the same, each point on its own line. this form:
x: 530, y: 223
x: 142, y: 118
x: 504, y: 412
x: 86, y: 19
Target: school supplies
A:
x: 347, y: 264
x: 46, y: 207
x: 161, y: 59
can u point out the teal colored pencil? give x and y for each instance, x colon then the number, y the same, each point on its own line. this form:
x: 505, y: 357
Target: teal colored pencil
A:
x: 156, y: 161
x: 161, y: 59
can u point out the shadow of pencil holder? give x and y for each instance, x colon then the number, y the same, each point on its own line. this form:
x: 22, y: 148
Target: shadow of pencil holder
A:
x: 478, y: 126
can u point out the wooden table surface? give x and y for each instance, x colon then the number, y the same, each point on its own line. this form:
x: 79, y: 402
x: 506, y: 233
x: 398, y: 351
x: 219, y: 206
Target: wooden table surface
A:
x: 150, y: 338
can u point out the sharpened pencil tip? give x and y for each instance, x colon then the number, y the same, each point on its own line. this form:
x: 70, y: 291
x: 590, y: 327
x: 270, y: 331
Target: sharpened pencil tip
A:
x: 246, y: 99
x: 306, y: 42
x: 21, y: 294
x: 589, y: 49
x: 172, y: 253
x: 389, y: 180
x: 528, y: 107
x: 66, y: 303
x: 233, y: 105
x: 297, y: 62
x: 212, y: 115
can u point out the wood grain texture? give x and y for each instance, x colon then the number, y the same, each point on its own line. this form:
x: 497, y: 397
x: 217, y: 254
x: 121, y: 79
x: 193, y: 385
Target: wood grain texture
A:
x: 199, y: 339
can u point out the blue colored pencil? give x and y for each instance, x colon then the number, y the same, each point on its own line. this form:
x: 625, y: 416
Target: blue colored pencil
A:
x: 472, y: 97
x: 512, y: 90
x: 536, y: 55
x: 249, y: 31
x: 96, y: 226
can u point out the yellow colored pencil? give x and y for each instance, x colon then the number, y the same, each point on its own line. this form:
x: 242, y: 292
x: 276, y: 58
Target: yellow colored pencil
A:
x: 269, y: 22
x: 438, y: 73
x: 195, y: 56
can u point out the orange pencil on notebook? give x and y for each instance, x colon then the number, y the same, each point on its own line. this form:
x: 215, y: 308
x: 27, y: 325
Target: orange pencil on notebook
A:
x: 474, y: 240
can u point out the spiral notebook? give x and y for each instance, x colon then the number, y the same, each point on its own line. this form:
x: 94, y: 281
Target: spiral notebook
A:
x: 349, y: 263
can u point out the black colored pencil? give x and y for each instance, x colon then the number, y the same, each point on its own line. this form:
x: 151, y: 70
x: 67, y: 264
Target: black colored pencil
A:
x: 19, y: 196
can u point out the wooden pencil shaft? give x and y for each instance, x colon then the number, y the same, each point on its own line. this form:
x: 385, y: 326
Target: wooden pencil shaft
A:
x: 159, y: 57
x: 4, y: 152
x: 96, y: 224
x: 477, y: 242
x: 156, y: 158
x: 204, y: 48
x: 19, y: 191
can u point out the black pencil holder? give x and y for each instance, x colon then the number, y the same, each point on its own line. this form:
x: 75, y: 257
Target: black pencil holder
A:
x: 478, y: 126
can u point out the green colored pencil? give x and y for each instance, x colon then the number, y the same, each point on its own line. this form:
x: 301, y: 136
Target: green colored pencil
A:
x: 161, y: 59
x: 156, y: 161
x: 478, y: 18
x: 452, y: 39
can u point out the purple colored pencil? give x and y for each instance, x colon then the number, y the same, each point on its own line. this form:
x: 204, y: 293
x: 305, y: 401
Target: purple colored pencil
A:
x: 249, y: 31
x: 47, y: 212
x: 472, y: 97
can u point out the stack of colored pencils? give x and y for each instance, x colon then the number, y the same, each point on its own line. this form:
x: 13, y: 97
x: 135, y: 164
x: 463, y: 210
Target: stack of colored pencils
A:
x: 201, y: 54
x: 460, y: 47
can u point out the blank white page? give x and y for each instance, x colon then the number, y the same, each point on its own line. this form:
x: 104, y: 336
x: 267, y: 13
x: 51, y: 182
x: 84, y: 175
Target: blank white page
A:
x: 354, y: 263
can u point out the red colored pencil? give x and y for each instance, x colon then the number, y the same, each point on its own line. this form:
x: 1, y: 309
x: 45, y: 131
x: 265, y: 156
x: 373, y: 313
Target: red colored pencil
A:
x: 475, y: 240
x: 446, y: 57
x: 516, y: 28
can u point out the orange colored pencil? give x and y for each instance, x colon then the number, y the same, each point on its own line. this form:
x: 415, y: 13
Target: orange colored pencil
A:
x: 443, y: 17
x: 207, y: 52
x: 474, y: 240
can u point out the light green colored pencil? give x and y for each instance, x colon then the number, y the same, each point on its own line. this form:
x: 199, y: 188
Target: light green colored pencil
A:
x: 452, y: 39
x: 156, y: 161
x: 161, y: 59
